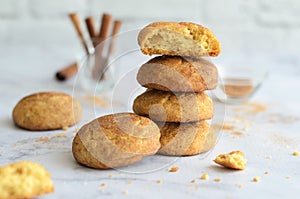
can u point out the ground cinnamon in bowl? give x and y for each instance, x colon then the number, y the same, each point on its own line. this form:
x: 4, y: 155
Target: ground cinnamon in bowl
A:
x: 236, y: 88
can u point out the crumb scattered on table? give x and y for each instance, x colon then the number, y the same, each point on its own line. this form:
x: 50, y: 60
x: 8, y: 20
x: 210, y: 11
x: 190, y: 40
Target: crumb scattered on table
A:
x: 268, y: 157
x: 251, y: 107
x: 103, y: 185
x: 125, y: 192
x: 236, y: 133
x: 217, y: 180
x: 42, y: 139
x: 239, y: 185
x: 47, y: 139
x: 227, y: 127
x: 256, y: 179
x: 159, y: 181
x: 65, y: 128
x: 295, y: 153
x: 173, y: 169
x: 60, y: 135
x: 98, y: 101
x: 204, y: 176
x: 266, y: 173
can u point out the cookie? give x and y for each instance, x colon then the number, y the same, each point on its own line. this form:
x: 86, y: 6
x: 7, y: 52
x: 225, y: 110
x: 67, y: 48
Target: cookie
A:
x: 115, y: 140
x: 47, y: 111
x: 184, y: 139
x: 178, y: 74
x: 232, y: 160
x: 178, y: 39
x: 170, y: 107
x: 24, y: 180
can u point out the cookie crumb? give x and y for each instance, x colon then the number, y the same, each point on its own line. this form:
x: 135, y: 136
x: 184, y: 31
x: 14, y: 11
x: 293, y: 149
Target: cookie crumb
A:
x: 295, y: 153
x: 204, y: 176
x: 65, y: 128
x: 43, y: 139
x: 217, y: 180
x: 232, y: 160
x: 268, y: 157
x: 174, y: 169
x: 239, y: 185
x: 227, y: 127
x: 102, y: 190
x: 193, y: 181
x: 61, y: 135
x: 103, y: 185
x: 125, y: 192
x: 288, y: 177
x: 111, y: 175
x: 159, y: 181
x: 246, y: 127
x: 197, y: 187
x: 129, y: 182
x: 266, y: 173
x: 236, y: 133
x: 256, y: 179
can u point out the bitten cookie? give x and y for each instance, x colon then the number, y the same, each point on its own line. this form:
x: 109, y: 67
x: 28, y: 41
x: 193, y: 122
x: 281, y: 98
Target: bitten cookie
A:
x: 178, y: 74
x: 182, y: 39
x: 178, y: 107
x: 47, y: 111
x: 183, y: 139
x: 24, y: 180
x: 115, y: 140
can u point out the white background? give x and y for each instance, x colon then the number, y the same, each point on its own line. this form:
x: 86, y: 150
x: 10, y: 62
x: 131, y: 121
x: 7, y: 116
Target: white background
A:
x: 268, y: 28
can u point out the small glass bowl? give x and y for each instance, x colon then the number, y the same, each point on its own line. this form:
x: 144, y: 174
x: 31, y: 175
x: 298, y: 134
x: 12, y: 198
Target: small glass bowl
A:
x: 238, y: 81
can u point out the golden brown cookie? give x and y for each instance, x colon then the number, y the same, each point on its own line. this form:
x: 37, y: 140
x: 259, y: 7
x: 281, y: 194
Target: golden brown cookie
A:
x: 115, y: 140
x: 179, y: 39
x: 232, y: 160
x: 178, y: 107
x: 178, y: 74
x: 182, y: 139
x: 47, y: 111
x: 24, y: 180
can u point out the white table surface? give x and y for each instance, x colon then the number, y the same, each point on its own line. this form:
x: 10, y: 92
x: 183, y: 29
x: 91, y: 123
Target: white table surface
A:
x: 268, y: 143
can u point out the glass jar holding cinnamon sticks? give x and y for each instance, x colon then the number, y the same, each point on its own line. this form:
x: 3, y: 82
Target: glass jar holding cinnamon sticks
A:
x: 95, y: 73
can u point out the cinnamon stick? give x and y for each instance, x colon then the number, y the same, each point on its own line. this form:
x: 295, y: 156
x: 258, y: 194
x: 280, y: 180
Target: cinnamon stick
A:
x: 103, y: 34
x: 116, y: 28
x: 90, y: 24
x: 105, y: 24
x: 67, y: 72
x: 75, y: 20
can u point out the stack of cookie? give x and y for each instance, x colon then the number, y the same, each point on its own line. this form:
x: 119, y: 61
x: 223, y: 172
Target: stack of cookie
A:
x: 176, y: 81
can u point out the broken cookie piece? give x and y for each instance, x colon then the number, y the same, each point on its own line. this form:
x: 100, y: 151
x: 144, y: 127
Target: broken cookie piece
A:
x: 232, y: 160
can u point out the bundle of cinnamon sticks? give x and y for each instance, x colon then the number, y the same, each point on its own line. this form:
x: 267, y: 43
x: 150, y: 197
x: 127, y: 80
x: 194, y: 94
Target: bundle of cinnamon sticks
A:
x: 96, y: 38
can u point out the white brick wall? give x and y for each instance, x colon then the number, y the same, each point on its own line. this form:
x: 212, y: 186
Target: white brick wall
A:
x: 245, y: 26
x: 284, y: 13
